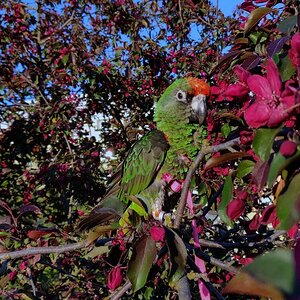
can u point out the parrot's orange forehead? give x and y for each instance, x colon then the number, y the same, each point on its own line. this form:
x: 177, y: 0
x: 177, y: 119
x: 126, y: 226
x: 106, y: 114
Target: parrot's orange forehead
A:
x: 199, y: 86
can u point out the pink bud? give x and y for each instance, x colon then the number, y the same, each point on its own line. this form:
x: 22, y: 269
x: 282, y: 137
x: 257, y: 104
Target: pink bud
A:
x: 114, y: 278
x: 95, y: 154
x: 269, y: 215
x: 288, y: 148
x: 255, y: 222
x: 235, y: 208
x: 23, y: 265
x: 292, y: 232
x: 80, y: 212
x: 157, y: 233
x: 12, y: 275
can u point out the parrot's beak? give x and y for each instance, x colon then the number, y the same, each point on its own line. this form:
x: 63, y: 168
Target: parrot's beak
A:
x: 199, y: 107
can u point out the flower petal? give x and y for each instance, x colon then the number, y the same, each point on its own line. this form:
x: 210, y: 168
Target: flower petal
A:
x: 236, y: 90
x: 235, y: 208
x: 241, y: 73
x: 114, y: 278
x: 260, y: 86
x: 269, y: 215
x: 257, y: 114
x: 294, y: 52
x: 274, y: 77
x: 277, y: 116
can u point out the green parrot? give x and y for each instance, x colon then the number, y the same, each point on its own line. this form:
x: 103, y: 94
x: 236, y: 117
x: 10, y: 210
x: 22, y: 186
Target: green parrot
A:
x: 137, y: 183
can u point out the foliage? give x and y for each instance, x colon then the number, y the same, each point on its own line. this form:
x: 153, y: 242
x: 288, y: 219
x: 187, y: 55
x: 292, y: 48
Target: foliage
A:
x: 66, y: 63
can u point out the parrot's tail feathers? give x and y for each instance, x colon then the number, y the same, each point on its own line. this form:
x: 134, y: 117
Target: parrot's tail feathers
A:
x: 98, y: 216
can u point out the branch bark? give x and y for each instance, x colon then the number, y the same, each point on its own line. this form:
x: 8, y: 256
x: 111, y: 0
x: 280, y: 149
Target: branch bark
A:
x: 43, y: 250
x: 186, y: 185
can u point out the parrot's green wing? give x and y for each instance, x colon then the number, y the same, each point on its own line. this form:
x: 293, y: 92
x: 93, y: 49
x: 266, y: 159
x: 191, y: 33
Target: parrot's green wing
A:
x: 143, y: 163
x: 138, y: 171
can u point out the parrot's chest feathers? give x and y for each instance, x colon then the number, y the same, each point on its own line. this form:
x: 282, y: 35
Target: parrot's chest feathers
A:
x: 182, y: 151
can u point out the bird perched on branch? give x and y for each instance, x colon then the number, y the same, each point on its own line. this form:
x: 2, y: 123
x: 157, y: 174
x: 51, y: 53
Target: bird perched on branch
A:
x: 137, y: 186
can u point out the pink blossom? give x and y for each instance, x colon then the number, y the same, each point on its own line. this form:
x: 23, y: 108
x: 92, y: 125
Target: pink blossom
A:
x: 95, y: 154
x: 239, y: 89
x: 219, y: 91
x: 292, y: 232
x: 114, y: 278
x: 248, y: 6
x: 157, y: 233
x: 270, y: 107
x: 246, y: 137
x: 294, y: 52
x: 246, y: 260
x: 23, y: 265
x: 12, y: 275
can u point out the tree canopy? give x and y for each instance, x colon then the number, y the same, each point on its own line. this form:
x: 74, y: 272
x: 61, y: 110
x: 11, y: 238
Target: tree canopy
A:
x: 64, y: 64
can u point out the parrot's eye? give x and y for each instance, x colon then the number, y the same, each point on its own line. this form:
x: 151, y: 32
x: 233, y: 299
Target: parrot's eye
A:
x: 181, y: 96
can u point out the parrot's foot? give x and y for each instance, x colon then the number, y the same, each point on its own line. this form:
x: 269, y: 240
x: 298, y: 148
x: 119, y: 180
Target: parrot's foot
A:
x: 166, y: 218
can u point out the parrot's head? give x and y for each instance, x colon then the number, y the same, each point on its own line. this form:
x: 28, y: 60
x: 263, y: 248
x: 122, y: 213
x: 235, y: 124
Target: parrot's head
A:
x: 184, y: 100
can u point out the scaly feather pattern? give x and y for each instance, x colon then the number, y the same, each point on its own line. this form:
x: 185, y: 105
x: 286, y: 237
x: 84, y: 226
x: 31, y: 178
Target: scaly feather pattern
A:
x: 172, y: 117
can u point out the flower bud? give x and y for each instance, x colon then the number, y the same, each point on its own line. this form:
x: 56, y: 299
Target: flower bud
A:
x: 288, y: 148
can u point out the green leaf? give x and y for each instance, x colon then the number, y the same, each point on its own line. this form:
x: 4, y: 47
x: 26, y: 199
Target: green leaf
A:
x: 263, y: 141
x: 269, y: 275
x: 225, y: 129
x: 217, y: 160
x: 245, y: 167
x: 65, y: 59
x: 279, y: 163
x: 287, y: 24
x: 245, y: 284
x: 255, y: 16
x: 288, y: 202
x: 286, y: 68
x: 178, y: 256
x: 226, y: 197
x: 144, y: 252
x: 275, y: 268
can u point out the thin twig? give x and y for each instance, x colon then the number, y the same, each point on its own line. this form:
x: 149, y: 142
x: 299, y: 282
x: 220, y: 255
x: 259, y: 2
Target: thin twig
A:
x: 222, y: 265
x: 186, y: 185
x: 43, y: 250
x: 118, y: 294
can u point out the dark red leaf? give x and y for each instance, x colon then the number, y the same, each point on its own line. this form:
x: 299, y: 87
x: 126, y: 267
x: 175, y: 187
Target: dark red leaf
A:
x: 275, y: 46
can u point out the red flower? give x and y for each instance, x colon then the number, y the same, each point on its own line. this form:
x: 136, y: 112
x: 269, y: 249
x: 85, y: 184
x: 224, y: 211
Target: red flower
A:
x: 114, y: 278
x: 294, y: 52
x: 236, y: 207
x: 239, y: 89
x: 269, y: 215
x: 271, y: 101
x: 246, y: 137
x: 219, y: 91
x: 255, y: 222
x: 292, y: 232
x: 288, y: 148
x: 157, y: 233
x: 248, y: 5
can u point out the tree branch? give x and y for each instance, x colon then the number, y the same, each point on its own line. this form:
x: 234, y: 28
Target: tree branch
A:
x: 186, y: 185
x: 43, y: 250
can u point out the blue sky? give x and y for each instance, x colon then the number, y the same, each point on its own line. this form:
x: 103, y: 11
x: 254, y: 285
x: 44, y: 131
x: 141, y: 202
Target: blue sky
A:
x: 227, y: 6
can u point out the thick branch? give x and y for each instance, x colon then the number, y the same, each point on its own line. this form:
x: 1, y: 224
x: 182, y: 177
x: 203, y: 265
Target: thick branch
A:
x: 186, y: 185
x: 183, y: 289
x: 42, y: 250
